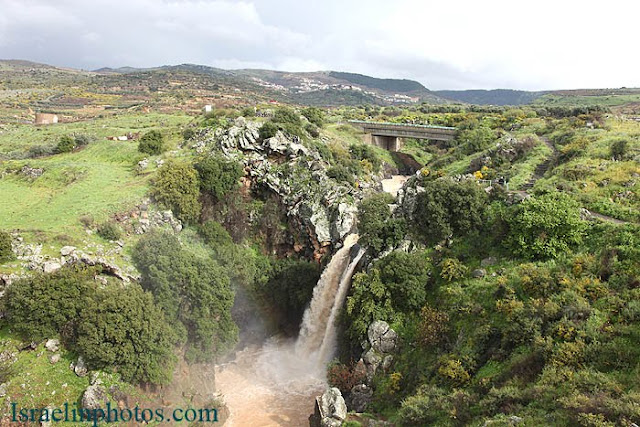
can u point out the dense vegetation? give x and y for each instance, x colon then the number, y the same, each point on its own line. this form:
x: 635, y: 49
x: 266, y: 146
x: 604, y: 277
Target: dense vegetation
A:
x: 508, y: 297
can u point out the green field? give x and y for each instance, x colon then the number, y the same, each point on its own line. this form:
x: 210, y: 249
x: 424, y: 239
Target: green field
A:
x: 99, y: 179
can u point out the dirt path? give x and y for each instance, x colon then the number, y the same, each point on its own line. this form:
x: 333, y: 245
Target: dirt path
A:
x: 542, y: 169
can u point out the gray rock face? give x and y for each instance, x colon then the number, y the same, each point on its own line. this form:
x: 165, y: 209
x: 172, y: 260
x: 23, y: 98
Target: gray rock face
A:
x: 94, y: 397
x: 360, y: 397
x: 345, y: 221
x: 331, y: 410
x: 382, y: 338
x: 316, y: 205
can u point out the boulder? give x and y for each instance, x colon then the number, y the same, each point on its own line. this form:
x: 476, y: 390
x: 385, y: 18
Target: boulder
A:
x: 479, y: 273
x: 3, y: 390
x: 67, y: 250
x: 52, y: 345
x: 79, y: 367
x: 55, y: 358
x: 360, y: 397
x: 277, y: 144
x: 382, y: 338
x: 330, y: 409
x: 488, y: 261
x: 94, y: 397
x: 51, y: 266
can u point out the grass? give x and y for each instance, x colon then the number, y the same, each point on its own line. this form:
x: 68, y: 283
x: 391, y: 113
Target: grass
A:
x: 521, y: 172
x: 98, y: 180
x: 34, y: 382
x: 18, y: 138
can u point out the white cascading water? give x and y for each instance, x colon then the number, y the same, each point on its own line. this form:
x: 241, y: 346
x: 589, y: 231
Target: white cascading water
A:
x: 275, y: 385
x: 317, y: 338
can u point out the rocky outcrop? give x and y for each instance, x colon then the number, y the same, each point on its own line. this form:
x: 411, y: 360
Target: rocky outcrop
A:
x: 94, y: 397
x: 316, y: 205
x: 382, y: 338
x: 382, y: 343
x: 330, y: 409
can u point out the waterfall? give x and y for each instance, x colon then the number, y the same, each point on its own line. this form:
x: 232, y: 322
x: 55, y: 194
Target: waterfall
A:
x: 317, y: 338
x: 276, y: 384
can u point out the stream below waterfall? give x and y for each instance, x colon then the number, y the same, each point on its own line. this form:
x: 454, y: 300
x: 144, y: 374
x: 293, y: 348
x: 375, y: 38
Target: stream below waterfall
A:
x: 276, y: 384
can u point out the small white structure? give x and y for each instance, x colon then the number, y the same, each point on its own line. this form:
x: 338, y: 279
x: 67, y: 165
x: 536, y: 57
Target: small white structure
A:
x: 46, y: 119
x: 208, y: 108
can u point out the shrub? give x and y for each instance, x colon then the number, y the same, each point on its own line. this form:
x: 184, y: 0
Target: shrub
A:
x: 345, y: 377
x: 370, y: 300
x: 476, y: 139
x: 44, y: 305
x: 433, y: 326
x: 365, y: 152
x: 619, y: 148
x: 448, y: 208
x: 314, y: 115
x: 177, y: 187
x: 81, y: 140
x: 66, y: 144
x: 218, y: 176
x: 286, y: 115
x: 109, y: 231
x: 124, y: 328
x: 151, y: 143
x: 341, y: 174
x: 268, y: 130
x: 452, y: 269
x: 378, y: 230
x: 312, y: 130
x: 544, y: 226
x: 188, y: 134
x: 6, y: 252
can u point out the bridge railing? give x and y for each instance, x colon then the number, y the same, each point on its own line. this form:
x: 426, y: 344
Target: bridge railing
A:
x: 406, y: 125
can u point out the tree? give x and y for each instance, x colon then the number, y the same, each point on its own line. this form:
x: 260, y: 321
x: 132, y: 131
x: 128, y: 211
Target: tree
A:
x: 378, y: 230
x: 124, y: 328
x: 193, y: 291
x: 544, y: 226
x: 218, y: 176
x: 406, y: 276
x: 151, y: 143
x: 44, y: 305
x: 370, y: 300
x: 448, y: 208
x: 177, y: 187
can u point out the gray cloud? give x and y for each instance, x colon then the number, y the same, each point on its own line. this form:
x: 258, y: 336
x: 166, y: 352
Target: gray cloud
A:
x: 453, y: 45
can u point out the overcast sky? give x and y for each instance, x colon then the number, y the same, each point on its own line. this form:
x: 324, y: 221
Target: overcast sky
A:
x: 445, y: 44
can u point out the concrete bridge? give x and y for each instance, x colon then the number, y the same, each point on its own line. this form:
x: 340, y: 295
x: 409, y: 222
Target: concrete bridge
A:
x: 390, y: 135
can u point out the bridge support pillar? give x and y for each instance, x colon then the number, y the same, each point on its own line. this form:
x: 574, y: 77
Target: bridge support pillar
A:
x: 391, y: 143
